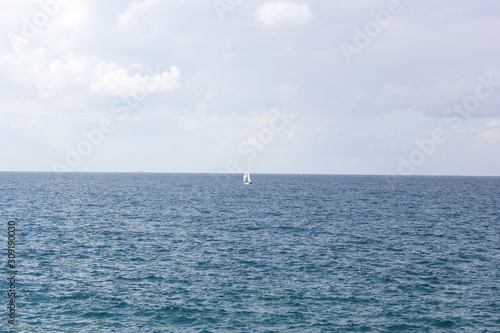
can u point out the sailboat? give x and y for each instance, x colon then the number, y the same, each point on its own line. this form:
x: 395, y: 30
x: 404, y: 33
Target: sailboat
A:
x: 246, y: 178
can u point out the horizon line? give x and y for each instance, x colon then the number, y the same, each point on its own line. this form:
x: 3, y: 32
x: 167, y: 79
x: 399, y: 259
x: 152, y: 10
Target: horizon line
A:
x: 254, y: 173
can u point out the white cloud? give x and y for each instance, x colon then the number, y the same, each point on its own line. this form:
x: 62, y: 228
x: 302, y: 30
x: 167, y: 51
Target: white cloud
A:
x: 281, y: 13
x: 46, y: 74
x: 135, y: 9
x: 115, y: 80
x: 487, y: 139
x: 52, y: 75
x: 494, y: 123
x: 73, y: 15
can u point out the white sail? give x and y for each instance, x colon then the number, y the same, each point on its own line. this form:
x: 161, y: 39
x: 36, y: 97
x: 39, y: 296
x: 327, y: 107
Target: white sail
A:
x: 246, y: 177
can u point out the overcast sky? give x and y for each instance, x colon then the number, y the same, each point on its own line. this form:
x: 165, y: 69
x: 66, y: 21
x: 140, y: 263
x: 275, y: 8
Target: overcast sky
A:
x: 280, y: 86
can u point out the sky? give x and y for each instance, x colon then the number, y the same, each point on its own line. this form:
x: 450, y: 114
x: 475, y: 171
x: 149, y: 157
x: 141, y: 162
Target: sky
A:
x: 280, y: 86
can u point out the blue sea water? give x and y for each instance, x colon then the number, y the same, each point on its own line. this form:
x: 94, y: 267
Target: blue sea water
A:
x: 117, y: 252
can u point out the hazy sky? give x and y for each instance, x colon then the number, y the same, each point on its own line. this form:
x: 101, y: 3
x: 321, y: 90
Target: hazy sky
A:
x: 280, y: 86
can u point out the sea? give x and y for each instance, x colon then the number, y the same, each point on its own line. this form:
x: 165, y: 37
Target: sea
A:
x: 146, y: 252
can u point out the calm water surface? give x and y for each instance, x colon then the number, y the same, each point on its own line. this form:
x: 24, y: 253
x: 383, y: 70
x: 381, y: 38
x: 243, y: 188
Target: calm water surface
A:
x: 204, y: 253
